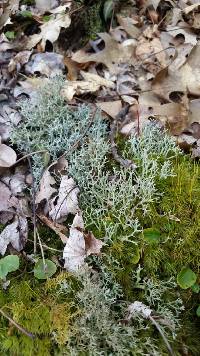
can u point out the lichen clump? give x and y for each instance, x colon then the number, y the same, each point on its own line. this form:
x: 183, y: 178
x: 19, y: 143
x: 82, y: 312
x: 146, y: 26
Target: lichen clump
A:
x: 148, y: 219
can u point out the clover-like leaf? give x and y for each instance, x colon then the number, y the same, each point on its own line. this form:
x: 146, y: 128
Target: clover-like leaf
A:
x: 8, y: 264
x: 198, y: 311
x: 42, y: 271
x: 195, y: 288
x: 151, y: 235
x: 186, y: 278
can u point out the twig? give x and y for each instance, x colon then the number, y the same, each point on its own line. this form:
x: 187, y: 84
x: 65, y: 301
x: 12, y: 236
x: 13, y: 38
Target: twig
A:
x: 162, y: 334
x: 41, y: 249
x: 33, y: 208
x: 113, y: 131
x: 58, y: 228
x: 72, y: 148
x: 28, y: 155
x: 19, y: 327
x: 46, y: 247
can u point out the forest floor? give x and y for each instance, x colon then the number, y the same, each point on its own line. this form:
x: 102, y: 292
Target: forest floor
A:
x: 99, y: 177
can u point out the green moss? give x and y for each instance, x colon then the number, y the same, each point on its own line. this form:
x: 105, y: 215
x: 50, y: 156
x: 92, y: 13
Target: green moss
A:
x: 177, y: 216
x: 40, y: 310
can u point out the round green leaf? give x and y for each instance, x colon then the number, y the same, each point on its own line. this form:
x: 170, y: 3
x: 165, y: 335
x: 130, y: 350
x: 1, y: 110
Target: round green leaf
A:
x: 186, y: 278
x: 195, y: 288
x: 8, y: 264
x: 151, y: 235
x: 44, y: 272
x: 198, y: 311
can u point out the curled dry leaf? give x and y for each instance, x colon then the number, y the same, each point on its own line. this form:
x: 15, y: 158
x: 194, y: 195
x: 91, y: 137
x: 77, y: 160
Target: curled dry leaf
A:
x: 14, y: 234
x: 8, y: 156
x: 67, y: 201
x: 112, y: 55
x: 91, y: 84
x: 79, y: 245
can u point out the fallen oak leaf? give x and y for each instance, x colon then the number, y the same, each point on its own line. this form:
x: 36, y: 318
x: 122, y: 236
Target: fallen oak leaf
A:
x: 112, y: 55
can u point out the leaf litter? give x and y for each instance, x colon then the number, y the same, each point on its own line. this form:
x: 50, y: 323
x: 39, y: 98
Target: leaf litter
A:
x: 153, y: 66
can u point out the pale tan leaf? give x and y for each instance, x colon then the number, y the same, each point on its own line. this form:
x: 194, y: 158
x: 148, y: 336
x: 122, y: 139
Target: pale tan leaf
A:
x: 7, y: 156
x: 49, y: 31
x: 112, y: 108
x: 92, y: 245
x: 111, y: 56
x: 14, y: 233
x: 128, y: 25
x: 46, y: 190
x: 67, y: 202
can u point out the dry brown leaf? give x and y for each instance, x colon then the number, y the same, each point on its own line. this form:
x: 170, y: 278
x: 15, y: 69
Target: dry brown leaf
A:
x: 7, y: 156
x: 46, y: 190
x: 49, y: 31
x: 79, y: 245
x: 14, y: 234
x: 91, y: 84
x: 48, y: 63
x: 111, y: 56
x: 112, y: 108
x: 19, y: 60
x: 67, y: 202
x: 190, y: 8
x: 92, y: 245
x: 11, y: 8
x: 128, y: 24
x: 185, y: 80
x: 187, y: 33
x: 59, y: 229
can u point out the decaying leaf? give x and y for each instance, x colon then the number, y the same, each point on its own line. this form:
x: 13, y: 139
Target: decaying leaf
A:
x: 112, y: 55
x: 14, y: 234
x: 79, y: 246
x: 67, y: 201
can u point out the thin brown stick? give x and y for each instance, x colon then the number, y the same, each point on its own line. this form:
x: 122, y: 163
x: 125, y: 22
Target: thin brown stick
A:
x: 33, y: 208
x: 46, y: 247
x: 72, y: 148
x: 28, y: 155
x: 19, y: 327
x: 113, y: 132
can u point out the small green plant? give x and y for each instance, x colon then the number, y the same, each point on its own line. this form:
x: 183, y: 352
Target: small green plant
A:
x: 44, y: 269
x: 186, y: 278
x: 8, y: 264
